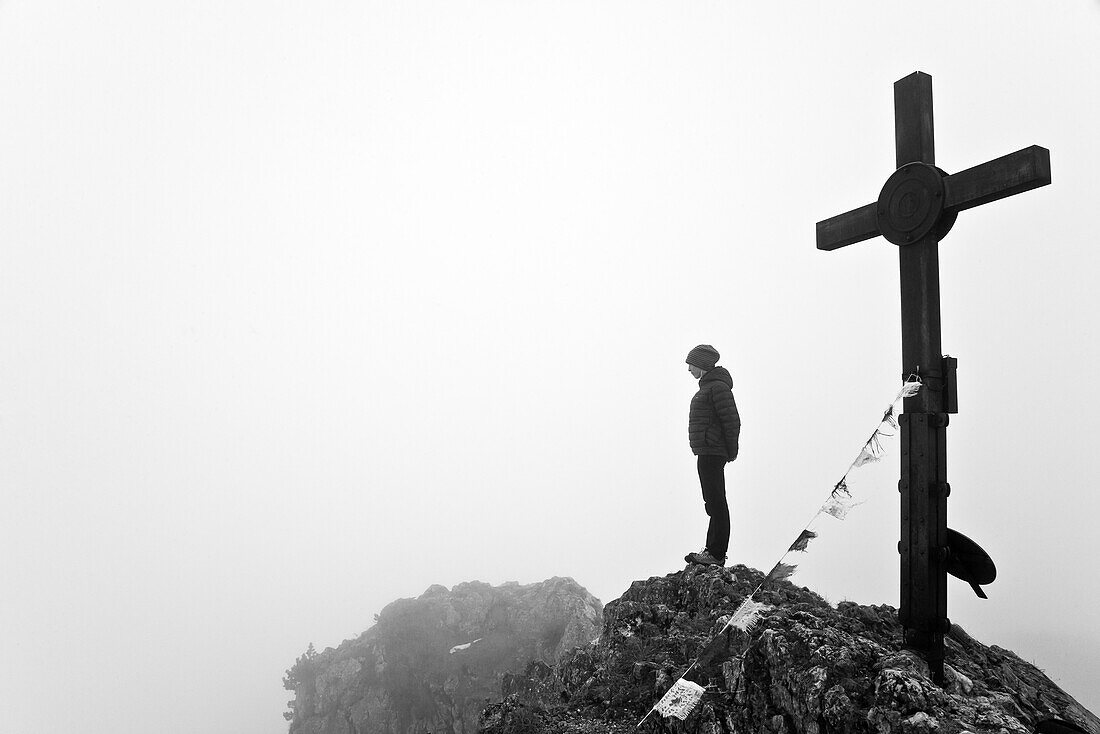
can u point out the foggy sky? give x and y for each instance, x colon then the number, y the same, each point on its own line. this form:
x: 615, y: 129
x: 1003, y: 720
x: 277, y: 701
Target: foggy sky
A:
x: 308, y: 306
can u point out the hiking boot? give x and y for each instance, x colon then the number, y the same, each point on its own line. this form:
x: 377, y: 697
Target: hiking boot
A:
x: 689, y: 555
x: 704, y: 558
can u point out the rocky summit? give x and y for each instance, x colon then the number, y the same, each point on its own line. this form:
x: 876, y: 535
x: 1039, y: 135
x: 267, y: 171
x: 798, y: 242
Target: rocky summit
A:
x: 805, y: 667
x: 528, y: 660
x: 431, y: 664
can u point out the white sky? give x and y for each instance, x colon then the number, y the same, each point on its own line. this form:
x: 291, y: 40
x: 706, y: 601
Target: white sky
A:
x: 307, y: 306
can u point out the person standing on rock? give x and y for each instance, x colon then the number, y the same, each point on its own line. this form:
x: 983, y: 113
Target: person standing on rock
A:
x: 714, y: 427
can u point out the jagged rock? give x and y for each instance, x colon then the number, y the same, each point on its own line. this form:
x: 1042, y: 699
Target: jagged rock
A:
x: 806, y: 667
x: 431, y: 664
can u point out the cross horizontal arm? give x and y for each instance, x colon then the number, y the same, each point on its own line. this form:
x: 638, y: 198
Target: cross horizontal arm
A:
x: 848, y: 228
x: 1014, y: 173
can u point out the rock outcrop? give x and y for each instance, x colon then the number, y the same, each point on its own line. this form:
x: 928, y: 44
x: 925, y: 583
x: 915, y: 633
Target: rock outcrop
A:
x: 433, y: 663
x: 806, y: 667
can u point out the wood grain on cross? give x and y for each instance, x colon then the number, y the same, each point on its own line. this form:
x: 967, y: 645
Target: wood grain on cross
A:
x: 916, y: 208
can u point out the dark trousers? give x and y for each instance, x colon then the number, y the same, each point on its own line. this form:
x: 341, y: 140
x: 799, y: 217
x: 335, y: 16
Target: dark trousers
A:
x: 712, y: 478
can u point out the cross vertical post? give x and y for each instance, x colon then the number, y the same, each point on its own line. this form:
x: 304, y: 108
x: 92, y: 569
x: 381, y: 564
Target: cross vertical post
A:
x: 923, y: 610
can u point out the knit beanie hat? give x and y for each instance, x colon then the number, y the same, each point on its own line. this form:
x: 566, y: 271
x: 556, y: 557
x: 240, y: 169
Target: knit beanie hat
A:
x: 703, y: 356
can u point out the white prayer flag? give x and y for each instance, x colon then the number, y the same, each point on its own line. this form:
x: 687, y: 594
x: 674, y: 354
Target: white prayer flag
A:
x: 680, y: 700
x: 838, y: 507
x: 908, y: 390
x: 747, y: 615
x: 866, y: 456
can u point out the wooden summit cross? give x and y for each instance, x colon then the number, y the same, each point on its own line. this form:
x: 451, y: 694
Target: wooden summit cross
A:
x: 915, y: 210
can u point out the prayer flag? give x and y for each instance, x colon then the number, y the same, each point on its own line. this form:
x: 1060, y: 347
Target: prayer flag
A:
x: 803, y: 541
x: 871, y: 451
x: 781, y: 571
x: 866, y: 456
x: 747, y: 615
x: 889, y: 419
x: 908, y: 390
x: 680, y: 700
x: 838, y: 507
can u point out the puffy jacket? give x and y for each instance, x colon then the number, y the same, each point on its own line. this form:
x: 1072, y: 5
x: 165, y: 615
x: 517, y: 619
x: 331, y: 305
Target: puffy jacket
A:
x: 714, y: 425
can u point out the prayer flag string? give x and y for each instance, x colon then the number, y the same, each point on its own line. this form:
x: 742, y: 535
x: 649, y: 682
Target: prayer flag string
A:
x: 684, y: 696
